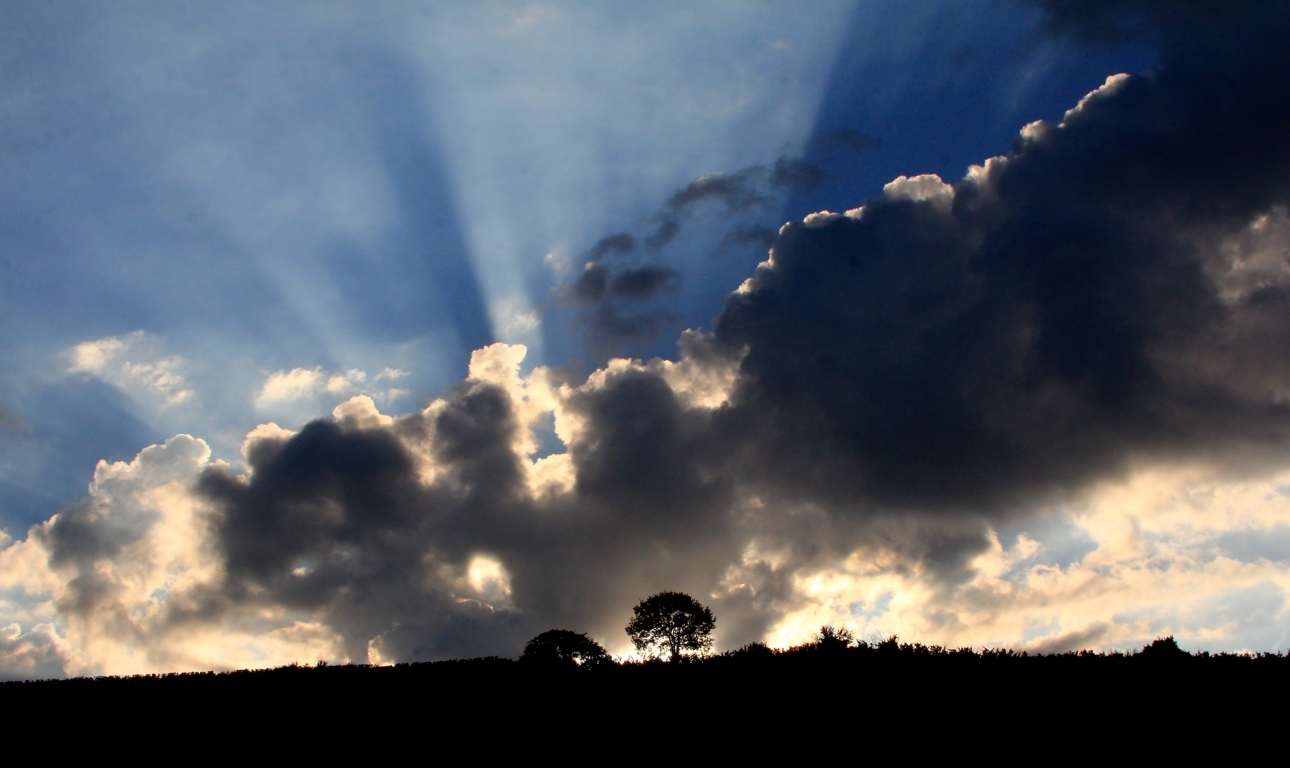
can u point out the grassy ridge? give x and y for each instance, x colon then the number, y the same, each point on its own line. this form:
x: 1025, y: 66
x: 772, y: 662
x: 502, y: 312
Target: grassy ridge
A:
x: 826, y: 660
x: 750, y: 701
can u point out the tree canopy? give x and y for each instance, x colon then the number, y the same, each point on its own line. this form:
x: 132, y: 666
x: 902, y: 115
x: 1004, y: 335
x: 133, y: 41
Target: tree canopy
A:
x: 561, y: 647
x: 673, y: 622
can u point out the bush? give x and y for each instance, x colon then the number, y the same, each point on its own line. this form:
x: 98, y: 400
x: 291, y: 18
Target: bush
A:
x: 563, y: 648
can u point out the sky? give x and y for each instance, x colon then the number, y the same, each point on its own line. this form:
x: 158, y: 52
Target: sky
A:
x: 407, y: 331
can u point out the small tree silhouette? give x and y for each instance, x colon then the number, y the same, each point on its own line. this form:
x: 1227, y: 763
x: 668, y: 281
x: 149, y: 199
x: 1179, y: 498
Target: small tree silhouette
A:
x: 1163, y: 649
x: 833, y: 639
x: 672, y: 622
x: 562, y: 648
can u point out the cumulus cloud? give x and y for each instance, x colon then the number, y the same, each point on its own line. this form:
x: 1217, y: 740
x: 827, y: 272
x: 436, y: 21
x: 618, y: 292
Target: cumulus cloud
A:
x: 122, y: 583
x: 1042, y: 406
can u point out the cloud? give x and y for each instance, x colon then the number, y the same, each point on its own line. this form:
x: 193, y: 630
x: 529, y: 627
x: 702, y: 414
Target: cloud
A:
x: 1154, y: 569
x: 591, y: 285
x: 296, y: 395
x: 33, y: 655
x: 749, y: 234
x: 1042, y: 406
x: 123, y: 582
x: 751, y: 187
x: 612, y: 245
x: 308, y: 382
x: 133, y: 363
x: 613, y: 271
x: 1118, y: 21
x: 598, y: 282
x: 852, y: 139
x: 642, y: 283
x: 1055, y: 313
x: 603, y: 289
x: 434, y: 534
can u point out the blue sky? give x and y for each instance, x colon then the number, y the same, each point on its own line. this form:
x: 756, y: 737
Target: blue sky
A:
x: 263, y: 188
x: 215, y: 217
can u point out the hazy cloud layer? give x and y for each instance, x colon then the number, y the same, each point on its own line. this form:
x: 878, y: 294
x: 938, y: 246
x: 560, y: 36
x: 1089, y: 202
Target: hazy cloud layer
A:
x: 1045, y: 405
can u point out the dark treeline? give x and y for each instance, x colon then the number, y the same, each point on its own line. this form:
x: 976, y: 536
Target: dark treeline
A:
x: 832, y: 661
x: 754, y: 698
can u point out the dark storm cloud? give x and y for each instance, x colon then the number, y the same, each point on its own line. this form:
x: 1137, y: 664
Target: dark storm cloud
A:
x: 602, y: 288
x: 1071, y: 308
x: 610, y: 328
x: 599, y: 281
x: 1117, y: 21
x: 612, y: 245
x: 335, y: 519
x: 590, y: 286
x: 645, y: 282
x: 750, y: 234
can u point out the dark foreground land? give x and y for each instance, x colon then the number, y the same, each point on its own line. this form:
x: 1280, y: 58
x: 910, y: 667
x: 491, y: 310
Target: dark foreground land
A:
x: 820, y: 678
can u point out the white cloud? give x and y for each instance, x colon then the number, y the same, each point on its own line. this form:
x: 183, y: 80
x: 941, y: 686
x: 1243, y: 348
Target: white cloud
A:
x: 36, y: 654
x: 113, y: 610
x: 927, y: 186
x: 1113, y: 83
x: 133, y: 363
x: 820, y: 219
x: 300, y: 383
x: 297, y: 395
x: 1171, y: 551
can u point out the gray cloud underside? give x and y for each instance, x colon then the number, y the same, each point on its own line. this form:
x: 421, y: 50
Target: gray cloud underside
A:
x: 612, y: 274
x: 1112, y: 291
x: 747, y: 188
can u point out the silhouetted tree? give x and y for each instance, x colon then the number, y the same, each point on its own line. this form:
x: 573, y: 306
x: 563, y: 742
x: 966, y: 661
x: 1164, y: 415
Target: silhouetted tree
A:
x: 560, y: 647
x: 832, y: 639
x: 672, y: 622
x: 1163, y: 649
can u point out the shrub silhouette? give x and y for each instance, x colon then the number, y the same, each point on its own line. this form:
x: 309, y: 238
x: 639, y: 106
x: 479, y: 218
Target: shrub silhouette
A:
x: 833, y: 639
x: 563, y: 648
x: 673, y: 622
x: 753, y: 650
x: 1163, y: 649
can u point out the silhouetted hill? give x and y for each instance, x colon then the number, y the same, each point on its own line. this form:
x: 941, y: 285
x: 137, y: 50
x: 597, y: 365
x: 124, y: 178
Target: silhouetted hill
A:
x: 822, y: 673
